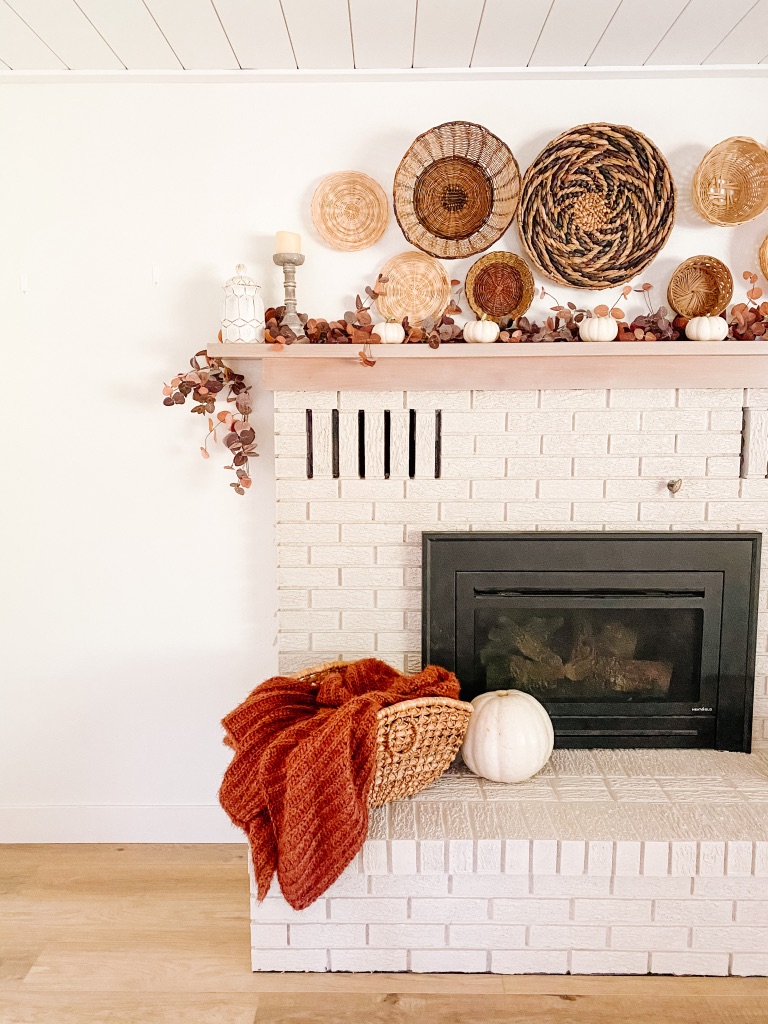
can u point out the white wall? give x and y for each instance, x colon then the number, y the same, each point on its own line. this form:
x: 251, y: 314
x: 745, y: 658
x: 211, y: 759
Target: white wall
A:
x: 138, y: 591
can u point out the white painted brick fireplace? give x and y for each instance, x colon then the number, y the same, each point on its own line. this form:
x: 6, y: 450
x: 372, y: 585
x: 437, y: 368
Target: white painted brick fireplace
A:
x: 666, y: 891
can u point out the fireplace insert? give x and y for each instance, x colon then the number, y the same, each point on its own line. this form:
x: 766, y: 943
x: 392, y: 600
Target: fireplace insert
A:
x: 628, y: 639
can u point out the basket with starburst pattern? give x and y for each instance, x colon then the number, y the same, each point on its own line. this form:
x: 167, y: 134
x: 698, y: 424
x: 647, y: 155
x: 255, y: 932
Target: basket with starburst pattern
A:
x: 597, y: 206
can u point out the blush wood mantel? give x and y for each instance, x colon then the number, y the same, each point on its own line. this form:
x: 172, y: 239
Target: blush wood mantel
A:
x: 507, y: 367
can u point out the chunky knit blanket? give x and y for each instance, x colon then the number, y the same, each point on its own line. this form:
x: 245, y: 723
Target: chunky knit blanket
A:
x: 304, y: 761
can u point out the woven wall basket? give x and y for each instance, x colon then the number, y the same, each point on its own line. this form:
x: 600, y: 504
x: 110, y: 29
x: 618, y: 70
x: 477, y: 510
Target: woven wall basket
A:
x: 416, y: 741
x: 701, y: 286
x: 730, y: 185
x: 350, y: 210
x: 456, y: 190
x: 763, y: 257
x: 598, y: 204
x: 499, y: 285
x: 418, y: 287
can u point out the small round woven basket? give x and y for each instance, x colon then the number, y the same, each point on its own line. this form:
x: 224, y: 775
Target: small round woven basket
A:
x: 597, y: 206
x: 416, y: 741
x: 701, y: 286
x: 763, y: 257
x: 499, y: 285
x: 456, y: 190
x: 350, y: 210
x: 417, y: 287
x: 730, y: 185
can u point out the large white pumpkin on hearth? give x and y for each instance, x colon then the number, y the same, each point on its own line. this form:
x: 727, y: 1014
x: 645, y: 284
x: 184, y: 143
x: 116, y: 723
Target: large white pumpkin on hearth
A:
x: 510, y: 736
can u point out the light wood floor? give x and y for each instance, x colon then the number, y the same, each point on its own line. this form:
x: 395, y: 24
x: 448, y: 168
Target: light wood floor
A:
x: 159, y: 935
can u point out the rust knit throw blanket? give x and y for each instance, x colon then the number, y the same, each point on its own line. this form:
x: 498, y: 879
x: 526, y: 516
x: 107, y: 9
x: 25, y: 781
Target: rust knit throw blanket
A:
x: 304, y: 761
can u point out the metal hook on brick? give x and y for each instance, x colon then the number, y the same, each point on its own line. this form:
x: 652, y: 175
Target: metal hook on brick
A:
x: 673, y: 486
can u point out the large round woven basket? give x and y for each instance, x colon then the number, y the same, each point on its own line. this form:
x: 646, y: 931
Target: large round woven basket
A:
x: 763, y: 257
x: 597, y: 206
x: 416, y: 741
x: 730, y: 185
x: 350, y: 210
x: 499, y: 285
x: 456, y: 190
x: 701, y: 286
x: 417, y: 287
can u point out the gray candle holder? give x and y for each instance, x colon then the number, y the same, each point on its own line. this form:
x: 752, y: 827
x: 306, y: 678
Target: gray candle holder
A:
x: 289, y: 261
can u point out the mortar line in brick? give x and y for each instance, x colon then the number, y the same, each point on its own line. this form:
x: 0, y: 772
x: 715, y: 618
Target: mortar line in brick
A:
x: 288, y: 935
x: 730, y: 964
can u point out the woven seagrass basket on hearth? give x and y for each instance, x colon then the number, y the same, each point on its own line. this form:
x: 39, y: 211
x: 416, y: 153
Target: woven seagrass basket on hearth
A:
x: 416, y: 740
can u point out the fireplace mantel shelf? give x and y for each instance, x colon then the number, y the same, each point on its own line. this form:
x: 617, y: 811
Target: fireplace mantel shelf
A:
x: 507, y: 367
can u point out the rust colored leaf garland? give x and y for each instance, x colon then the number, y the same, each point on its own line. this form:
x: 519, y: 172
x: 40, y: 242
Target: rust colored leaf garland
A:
x: 749, y: 320
x: 597, y: 206
x: 205, y: 383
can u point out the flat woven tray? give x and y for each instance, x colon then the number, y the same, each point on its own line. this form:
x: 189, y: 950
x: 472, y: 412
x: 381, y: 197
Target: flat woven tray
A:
x: 763, y: 257
x: 730, y: 185
x: 456, y: 190
x: 416, y: 741
x: 350, y: 210
x: 701, y: 286
x: 418, y: 287
x: 499, y: 285
x: 597, y: 206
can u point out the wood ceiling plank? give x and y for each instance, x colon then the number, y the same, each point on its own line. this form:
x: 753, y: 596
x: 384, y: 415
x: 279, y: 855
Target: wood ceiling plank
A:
x: 132, y: 33
x: 320, y: 33
x: 747, y: 42
x: 257, y: 32
x: 64, y: 27
x: 509, y: 32
x: 20, y: 48
x: 445, y: 33
x: 700, y: 28
x: 194, y: 31
x: 383, y: 34
x: 634, y: 31
x: 571, y: 32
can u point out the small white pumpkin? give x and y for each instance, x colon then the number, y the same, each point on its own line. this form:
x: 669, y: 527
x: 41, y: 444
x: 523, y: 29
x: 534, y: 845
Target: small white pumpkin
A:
x: 391, y: 332
x: 510, y: 736
x: 706, y: 328
x: 481, y: 332
x: 598, y: 328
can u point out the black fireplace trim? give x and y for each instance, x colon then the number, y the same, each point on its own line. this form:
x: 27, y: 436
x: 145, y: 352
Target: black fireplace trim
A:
x: 445, y: 555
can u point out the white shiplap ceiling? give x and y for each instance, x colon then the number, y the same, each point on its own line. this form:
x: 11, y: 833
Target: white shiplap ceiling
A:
x: 275, y: 35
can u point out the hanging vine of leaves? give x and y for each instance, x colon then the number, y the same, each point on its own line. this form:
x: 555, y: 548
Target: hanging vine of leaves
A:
x: 204, y: 384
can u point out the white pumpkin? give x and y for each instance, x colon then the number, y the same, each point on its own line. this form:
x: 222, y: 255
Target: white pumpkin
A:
x: 510, y: 736
x: 598, y: 328
x: 481, y: 332
x: 706, y: 328
x: 391, y: 332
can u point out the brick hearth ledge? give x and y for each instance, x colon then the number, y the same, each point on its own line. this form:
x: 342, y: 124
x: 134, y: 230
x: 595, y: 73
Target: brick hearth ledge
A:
x: 475, y: 876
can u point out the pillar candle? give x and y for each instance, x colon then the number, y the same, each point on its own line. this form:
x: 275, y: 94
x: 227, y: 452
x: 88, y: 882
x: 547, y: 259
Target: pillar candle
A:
x: 287, y: 241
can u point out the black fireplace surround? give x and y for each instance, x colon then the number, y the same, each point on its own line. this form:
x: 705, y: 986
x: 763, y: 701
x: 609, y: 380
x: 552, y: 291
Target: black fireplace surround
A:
x: 627, y: 639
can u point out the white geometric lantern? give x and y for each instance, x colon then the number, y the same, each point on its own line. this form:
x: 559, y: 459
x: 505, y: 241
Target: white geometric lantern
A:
x: 242, y: 309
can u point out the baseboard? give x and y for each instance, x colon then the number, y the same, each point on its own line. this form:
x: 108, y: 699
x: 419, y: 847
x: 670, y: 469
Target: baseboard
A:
x: 171, y: 823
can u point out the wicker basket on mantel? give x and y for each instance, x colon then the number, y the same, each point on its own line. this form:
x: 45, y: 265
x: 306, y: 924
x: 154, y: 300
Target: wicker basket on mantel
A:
x: 416, y: 740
